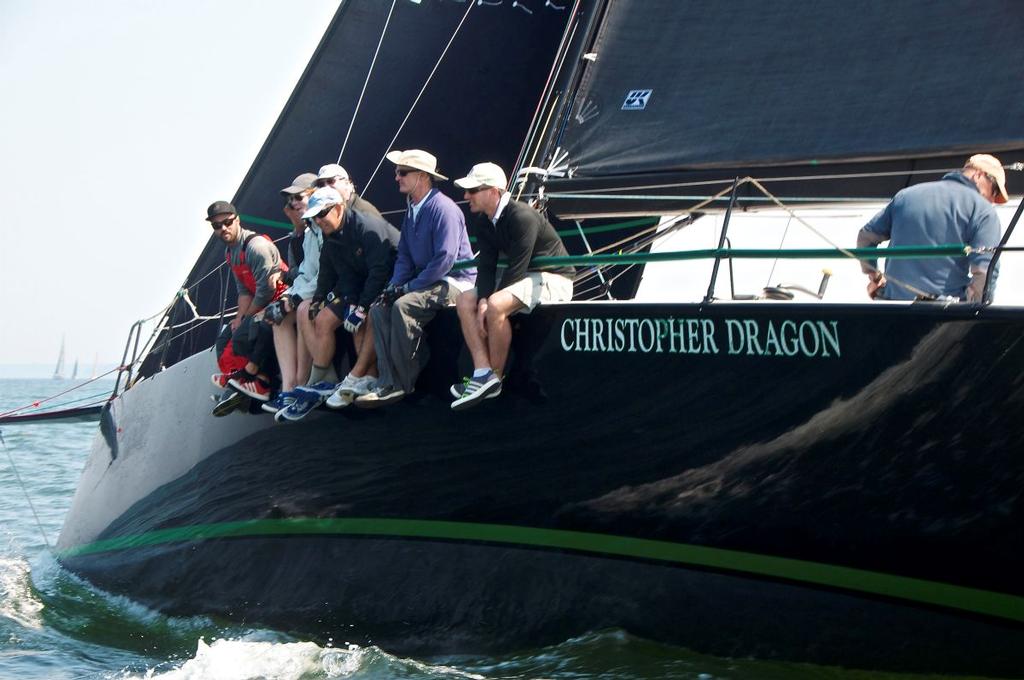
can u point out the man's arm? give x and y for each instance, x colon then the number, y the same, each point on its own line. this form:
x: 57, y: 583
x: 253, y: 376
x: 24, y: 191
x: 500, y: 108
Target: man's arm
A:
x: 522, y: 230
x: 328, y: 275
x: 448, y: 227
x: 262, y: 257
x: 986, y: 235
x: 377, y: 252
x: 876, y: 279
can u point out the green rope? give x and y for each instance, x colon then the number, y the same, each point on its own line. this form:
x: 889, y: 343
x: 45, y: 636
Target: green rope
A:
x: 645, y: 222
x: 893, y: 252
x: 252, y: 219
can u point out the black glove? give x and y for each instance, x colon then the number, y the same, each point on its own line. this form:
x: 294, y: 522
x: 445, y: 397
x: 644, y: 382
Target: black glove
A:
x: 275, y: 312
x: 289, y: 276
x: 315, y: 305
x: 391, y: 293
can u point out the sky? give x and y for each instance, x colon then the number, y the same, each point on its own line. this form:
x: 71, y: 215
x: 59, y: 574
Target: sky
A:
x: 120, y: 122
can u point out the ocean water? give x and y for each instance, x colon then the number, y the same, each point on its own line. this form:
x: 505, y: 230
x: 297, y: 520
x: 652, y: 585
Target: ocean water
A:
x: 54, y: 625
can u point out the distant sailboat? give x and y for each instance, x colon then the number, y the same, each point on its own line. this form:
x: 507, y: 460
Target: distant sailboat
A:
x: 58, y: 371
x: 95, y: 362
x: 74, y: 370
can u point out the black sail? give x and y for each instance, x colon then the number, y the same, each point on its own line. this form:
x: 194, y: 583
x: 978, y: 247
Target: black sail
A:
x: 476, y: 106
x: 680, y: 91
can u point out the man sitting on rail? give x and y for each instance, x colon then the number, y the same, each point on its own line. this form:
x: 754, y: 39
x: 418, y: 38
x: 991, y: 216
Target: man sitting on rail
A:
x: 512, y: 228
x: 956, y: 209
x: 433, y: 238
x: 357, y: 259
x: 257, y: 268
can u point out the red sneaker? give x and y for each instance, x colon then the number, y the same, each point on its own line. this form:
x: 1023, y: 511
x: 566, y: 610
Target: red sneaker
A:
x: 220, y: 380
x: 252, y: 386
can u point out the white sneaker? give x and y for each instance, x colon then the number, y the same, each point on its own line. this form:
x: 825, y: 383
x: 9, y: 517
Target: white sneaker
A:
x: 344, y: 395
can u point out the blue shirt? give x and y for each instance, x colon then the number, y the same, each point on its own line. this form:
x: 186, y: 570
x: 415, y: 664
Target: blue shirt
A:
x: 431, y: 243
x: 950, y: 210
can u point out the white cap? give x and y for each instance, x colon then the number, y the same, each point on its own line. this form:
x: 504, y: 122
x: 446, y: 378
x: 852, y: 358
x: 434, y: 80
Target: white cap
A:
x: 322, y: 198
x: 483, y: 175
x: 332, y: 171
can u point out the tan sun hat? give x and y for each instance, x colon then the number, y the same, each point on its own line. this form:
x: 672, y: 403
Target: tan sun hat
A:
x: 417, y: 159
x: 991, y: 166
x: 483, y: 175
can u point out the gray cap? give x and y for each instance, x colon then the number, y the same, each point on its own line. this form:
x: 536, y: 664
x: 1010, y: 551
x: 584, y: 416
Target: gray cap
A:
x: 299, y: 184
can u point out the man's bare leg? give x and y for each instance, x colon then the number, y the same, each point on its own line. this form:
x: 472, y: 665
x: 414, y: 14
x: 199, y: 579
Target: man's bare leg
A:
x: 500, y: 306
x: 473, y: 328
x: 286, y: 346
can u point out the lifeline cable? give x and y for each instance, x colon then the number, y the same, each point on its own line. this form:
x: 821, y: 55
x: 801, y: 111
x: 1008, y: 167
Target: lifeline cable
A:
x: 28, y: 498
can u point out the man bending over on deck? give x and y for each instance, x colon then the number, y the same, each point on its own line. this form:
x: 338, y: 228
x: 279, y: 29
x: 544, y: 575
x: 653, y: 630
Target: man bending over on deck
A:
x: 520, y: 233
x: 356, y: 262
x: 433, y: 238
x: 956, y: 209
x: 257, y: 268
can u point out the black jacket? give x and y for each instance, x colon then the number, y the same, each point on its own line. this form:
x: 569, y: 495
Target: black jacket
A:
x: 295, y: 251
x: 521, y: 234
x: 356, y: 262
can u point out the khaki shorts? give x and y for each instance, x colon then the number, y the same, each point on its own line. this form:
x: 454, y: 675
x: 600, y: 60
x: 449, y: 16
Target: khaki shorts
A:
x: 540, y: 287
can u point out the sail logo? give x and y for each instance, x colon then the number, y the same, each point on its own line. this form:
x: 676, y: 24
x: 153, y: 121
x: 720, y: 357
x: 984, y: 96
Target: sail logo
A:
x: 636, y: 100
x: 760, y: 337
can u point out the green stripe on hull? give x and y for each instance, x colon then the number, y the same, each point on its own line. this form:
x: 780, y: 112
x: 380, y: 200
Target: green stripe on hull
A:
x: 874, y: 583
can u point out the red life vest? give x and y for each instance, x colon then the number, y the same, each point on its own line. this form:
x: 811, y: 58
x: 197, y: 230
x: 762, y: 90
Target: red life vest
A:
x: 244, y: 273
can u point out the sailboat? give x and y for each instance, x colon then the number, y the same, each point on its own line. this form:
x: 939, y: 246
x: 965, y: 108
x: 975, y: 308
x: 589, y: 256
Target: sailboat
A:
x: 836, y: 484
x: 58, y: 370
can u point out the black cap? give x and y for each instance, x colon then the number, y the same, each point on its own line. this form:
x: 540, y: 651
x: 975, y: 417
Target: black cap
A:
x: 219, y: 208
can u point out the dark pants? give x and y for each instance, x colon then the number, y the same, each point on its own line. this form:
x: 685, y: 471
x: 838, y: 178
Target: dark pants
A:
x: 254, y: 340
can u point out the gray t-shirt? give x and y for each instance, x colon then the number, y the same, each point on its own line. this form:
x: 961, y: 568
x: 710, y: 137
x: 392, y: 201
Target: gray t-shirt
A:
x: 263, y: 259
x: 950, y: 210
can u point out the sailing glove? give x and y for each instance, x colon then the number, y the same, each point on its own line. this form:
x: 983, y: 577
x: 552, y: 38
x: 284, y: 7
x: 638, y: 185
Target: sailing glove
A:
x: 354, y: 318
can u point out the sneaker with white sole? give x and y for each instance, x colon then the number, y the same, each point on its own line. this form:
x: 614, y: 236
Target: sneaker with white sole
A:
x: 457, y: 389
x: 324, y: 388
x: 282, y: 401
x: 229, y: 402
x: 343, y: 396
x: 476, y: 390
x: 306, y: 401
x: 251, y: 386
x: 382, y: 396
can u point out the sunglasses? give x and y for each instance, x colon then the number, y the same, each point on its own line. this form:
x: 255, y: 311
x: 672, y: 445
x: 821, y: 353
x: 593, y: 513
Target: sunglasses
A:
x: 326, y: 182
x: 475, y: 190
x: 402, y: 172
x: 295, y: 197
x: 323, y: 213
x: 217, y: 226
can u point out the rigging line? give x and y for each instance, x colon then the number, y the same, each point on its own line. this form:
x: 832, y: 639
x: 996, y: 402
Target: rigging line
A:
x: 28, y: 498
x: 676, y: 218
x: 826, y: 239
x: 670, y: 227
x: 793, y: 178
x: 60, y: 394
x: 548, y: 97
x: 422, y: 90
x: 366, y: 82
x: 782, y: 242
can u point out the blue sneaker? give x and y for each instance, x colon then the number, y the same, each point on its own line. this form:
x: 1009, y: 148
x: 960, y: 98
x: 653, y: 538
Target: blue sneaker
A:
x: 305, y: 401
x: 282, y: 401
x: 323, y: 388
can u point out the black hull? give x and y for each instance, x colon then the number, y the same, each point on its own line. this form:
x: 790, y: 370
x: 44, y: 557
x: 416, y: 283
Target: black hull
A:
x: 851, y: 496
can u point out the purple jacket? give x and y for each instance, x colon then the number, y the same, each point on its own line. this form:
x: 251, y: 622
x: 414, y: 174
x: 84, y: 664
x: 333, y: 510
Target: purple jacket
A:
x: 432, y: 244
